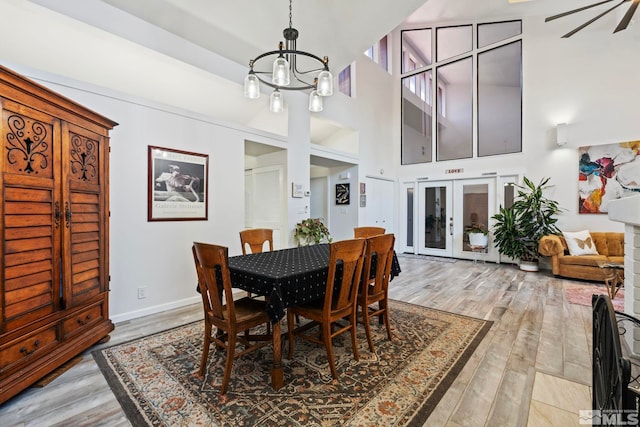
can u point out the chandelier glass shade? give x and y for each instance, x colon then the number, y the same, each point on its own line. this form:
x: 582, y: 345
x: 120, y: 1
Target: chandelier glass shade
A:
x: 276, y: 104
x: 289, y: 69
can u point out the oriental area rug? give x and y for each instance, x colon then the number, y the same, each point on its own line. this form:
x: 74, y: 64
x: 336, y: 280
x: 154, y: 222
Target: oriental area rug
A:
x: 581, y: 294
x: 156, y: 380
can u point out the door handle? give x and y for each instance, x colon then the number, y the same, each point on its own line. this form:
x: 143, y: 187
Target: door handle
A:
x: 67, y: 214
x: 57, y: 214
x: 451, y: 226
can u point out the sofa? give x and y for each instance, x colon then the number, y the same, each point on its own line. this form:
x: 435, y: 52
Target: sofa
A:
x: 609, y: 246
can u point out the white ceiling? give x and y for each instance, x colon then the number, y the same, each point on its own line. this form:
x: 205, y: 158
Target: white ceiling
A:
x: 141, y: 59
x: 342, y: 30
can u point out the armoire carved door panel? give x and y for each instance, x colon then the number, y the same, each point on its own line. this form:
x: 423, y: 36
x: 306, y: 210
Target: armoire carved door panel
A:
x: 54, y: 221
x: 84, y: 155
x: 31, y: 215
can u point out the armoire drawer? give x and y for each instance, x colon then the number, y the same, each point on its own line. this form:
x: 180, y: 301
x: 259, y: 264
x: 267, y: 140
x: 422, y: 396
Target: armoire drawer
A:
x: 27, y: 347
x: 82, y: 319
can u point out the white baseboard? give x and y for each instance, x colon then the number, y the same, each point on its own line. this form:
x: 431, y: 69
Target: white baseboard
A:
x: 155, y: 309
x: 237, y: 293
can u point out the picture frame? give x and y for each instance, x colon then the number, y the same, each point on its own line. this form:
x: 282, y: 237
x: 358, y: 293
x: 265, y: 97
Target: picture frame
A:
x: 178, y: 184
x: 343, y: 195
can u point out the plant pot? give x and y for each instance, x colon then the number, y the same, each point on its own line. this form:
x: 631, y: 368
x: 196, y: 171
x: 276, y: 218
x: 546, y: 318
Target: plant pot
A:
x: 478, y: 239
x: 528, y: 265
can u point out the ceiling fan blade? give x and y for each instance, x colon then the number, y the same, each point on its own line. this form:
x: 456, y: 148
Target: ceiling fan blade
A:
x: 591, y: 21
x: 560, y: 15
x: 627, y: 16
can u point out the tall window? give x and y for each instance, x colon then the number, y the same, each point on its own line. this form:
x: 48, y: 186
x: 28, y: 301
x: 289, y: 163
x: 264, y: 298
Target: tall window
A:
x: 378, y: 53
x: 344, y: 81
x: 443, y: 93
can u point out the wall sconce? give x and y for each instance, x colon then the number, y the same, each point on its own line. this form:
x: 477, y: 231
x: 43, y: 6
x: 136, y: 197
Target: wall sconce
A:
x: 561, y: 134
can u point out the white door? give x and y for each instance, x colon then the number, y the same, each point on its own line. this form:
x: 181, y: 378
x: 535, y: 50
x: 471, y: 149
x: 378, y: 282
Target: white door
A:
x: 265, y: 202
x: 474, y: 204
x: 435, y: 218
x: 378, y: 211
x: 319, y: 198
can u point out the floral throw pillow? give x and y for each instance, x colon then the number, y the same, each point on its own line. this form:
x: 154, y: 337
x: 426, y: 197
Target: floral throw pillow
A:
x: 580, y: 243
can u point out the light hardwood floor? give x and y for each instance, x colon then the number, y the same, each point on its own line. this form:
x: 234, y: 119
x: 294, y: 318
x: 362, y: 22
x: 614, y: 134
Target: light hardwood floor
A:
x: 532, y: 369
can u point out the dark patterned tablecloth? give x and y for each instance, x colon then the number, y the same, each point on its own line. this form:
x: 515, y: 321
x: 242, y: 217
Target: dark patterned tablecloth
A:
x: 286, y: 277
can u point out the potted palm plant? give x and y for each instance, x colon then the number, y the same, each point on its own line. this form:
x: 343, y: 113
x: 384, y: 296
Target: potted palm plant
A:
x: 518, y: 229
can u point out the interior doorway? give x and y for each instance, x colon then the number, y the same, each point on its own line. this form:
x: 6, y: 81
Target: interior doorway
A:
x: 319, y: 198
x: 326, y: 174
x: 264, y: 190
x: 264, y: 200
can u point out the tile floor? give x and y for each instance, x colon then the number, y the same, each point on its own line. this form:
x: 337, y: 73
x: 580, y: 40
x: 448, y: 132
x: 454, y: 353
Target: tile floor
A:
x: 557, y: 402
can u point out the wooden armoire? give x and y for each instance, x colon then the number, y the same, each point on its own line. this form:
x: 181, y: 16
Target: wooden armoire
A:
x: 54, y: 263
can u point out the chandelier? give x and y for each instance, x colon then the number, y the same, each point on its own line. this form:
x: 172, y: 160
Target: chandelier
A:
x: 291, y: 69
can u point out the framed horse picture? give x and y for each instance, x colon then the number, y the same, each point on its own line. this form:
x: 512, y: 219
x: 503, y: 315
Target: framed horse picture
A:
x: 178, y: 185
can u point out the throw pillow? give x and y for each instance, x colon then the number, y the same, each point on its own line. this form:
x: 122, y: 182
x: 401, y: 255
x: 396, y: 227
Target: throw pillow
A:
x: 580, y: 243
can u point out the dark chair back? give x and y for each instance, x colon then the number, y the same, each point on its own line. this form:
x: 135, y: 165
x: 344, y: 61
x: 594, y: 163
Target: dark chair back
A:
x: 346, y: 255
x: 378, y: 259
x: 215, y: 282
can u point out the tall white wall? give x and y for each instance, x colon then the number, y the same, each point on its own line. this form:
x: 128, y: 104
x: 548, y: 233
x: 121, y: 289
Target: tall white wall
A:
x: 585, y: 81
x: 588, y: 81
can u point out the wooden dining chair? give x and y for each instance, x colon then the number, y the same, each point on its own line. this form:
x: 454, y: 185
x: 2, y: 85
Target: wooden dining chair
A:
x: 220, y: 310
x: 375, y: 285
x: 255, y: 238
x: 364, y: 232
x: 338, y: 303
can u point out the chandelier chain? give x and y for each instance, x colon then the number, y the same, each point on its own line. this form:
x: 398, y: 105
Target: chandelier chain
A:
x: 290, y: 14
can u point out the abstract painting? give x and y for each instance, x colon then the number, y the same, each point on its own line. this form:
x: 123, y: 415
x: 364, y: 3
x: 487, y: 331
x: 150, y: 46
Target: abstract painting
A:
x: 607, y: 172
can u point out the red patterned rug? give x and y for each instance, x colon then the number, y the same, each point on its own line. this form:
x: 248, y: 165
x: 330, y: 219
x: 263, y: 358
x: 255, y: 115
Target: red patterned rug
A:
x: 155, y: 378
x: 581, y: 294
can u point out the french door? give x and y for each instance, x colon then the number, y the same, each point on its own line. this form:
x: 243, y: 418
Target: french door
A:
x: 475, y: 204
x: 435, y: 218
x: 445, y: 210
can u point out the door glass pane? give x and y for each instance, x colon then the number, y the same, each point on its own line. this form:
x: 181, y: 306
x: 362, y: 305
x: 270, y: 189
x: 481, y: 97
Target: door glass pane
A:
x: 416, y: 49
x: 409, y: 217
x: 509, y: 194
x: 453, y: 41
x: 500, y: 100
x: 475, y: 209
x: 455, y: 110
x: 497, y: 31
x: 435, y: 199
x: 416, y: 118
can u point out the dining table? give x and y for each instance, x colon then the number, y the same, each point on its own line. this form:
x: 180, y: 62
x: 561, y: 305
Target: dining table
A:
x: 286, y: 277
